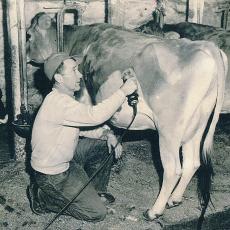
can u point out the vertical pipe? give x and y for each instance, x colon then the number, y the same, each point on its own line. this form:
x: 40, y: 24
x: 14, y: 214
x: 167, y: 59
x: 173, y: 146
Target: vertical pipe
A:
x: 12, y: 26
x: 22, y: 52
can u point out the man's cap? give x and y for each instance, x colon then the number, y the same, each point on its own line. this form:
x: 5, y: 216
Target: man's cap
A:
x: 55, y: 60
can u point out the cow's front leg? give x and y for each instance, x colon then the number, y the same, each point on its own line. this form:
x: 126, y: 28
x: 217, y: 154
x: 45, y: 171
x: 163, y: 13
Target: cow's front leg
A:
x: 169, y: 152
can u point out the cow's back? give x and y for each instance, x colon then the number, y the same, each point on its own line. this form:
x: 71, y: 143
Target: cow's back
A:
x: 120, y: 50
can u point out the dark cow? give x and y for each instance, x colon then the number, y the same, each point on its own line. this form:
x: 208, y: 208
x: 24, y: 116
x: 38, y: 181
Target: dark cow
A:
x: 196, y: 31
x: 181, y: 88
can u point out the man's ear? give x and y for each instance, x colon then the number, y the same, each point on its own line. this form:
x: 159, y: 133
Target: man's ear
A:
x: 58, y: 77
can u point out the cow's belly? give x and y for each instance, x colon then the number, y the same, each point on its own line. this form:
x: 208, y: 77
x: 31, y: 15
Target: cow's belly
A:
x: 144, y: 118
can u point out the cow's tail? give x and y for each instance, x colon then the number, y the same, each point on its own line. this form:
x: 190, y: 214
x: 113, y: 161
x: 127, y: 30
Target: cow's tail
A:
x: 205, y: 172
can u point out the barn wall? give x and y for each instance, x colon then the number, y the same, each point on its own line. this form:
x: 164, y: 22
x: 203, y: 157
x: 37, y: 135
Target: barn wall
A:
x: 211, y: 16
x: 93, y: 11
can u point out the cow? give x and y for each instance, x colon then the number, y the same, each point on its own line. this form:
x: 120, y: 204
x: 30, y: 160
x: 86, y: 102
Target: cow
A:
x: 194, y: 31
x: 181, y: 92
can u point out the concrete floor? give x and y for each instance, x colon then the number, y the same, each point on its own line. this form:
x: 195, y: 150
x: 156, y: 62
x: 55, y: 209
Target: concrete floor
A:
x: 135, y: 184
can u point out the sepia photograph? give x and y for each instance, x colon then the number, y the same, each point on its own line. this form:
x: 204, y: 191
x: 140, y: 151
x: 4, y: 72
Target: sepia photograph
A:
x: 115, y: 115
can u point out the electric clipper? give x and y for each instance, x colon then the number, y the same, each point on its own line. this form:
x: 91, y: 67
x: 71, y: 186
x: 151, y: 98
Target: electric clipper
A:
x: 132, y: 98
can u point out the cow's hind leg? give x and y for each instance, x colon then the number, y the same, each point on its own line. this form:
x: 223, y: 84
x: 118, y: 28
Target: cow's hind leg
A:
x: 169, y: 152
x: 191, y: 149
x: 191, y: 162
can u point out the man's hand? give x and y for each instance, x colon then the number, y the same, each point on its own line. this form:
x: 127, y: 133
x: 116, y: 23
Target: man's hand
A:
x: 112, y: 143
x: 130, y: 84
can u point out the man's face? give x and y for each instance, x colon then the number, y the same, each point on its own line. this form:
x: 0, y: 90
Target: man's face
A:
x: 70, y: 75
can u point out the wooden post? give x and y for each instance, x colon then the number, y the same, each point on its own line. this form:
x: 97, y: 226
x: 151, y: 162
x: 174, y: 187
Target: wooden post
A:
x: 224, y: 19
x: 118, y: 17
x: 12, y: 24
x: 22, y: 52
x: 195, y: 11
x: 224, y: 9
x: 108, y: 16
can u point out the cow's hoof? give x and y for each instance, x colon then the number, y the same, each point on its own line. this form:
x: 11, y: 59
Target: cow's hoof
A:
x: 173, y: 204
x: 148, y: 218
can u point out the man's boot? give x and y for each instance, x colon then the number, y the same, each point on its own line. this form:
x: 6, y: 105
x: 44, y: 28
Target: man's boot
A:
x: 35, y: 205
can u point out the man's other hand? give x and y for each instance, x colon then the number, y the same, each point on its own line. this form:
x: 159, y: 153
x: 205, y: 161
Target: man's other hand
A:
x: 112, y: 143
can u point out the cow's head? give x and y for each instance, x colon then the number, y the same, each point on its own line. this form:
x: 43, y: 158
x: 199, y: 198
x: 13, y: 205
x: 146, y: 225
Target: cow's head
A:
x: 41, y: 38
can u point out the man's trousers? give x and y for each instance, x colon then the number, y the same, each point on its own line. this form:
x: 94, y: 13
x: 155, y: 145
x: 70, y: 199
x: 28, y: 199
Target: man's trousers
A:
x: 55, y: 191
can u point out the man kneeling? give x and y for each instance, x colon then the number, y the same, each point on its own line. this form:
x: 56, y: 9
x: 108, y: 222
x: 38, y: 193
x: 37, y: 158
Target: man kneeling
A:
x: 62, y: 162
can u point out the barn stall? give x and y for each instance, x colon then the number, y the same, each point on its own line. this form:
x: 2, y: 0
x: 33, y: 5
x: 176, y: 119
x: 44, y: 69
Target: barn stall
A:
x: 134, y: 180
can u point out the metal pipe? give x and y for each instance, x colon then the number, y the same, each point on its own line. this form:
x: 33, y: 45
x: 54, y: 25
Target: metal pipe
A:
x: 60, y: 23
x: 22, y: 53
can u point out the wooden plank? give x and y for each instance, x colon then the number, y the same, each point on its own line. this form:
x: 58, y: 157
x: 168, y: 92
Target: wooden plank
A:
x: 12, y: 24
x: 196, y: 8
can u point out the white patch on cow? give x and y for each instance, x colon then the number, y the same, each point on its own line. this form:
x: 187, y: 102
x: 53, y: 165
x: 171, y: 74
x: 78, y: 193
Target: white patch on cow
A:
x: 172, y: 73
x: 124, y: 115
